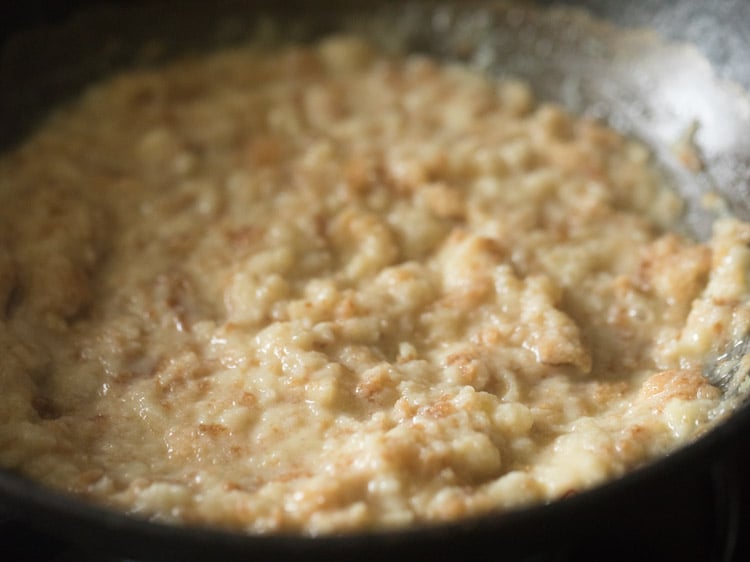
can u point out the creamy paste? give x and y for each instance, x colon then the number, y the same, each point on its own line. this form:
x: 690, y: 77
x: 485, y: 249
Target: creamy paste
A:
x: 318, y: 290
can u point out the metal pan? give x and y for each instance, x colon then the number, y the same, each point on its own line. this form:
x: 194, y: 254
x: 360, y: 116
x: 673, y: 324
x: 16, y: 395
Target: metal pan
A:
x: 654, y: 88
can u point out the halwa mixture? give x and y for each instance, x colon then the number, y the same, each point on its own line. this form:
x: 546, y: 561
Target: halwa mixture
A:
x: 318, y: 290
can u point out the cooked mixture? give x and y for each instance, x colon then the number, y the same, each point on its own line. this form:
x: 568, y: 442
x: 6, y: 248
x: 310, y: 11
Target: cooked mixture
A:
x: 319, y: 290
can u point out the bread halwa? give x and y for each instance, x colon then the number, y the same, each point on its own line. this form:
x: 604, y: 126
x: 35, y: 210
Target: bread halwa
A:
x: 318, y: 289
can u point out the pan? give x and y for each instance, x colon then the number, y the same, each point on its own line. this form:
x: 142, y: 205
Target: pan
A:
x: 654, y: 70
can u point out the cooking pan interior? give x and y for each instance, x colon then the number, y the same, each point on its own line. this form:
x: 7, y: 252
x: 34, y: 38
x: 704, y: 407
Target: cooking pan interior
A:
x: 661, y: 91
x: 658, y: 90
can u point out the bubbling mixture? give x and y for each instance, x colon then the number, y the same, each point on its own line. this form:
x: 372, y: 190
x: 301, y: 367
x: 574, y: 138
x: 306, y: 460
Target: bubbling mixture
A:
x: 321, y: 290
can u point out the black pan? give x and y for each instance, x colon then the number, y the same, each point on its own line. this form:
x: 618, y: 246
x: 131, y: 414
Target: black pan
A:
x: 654, y: 88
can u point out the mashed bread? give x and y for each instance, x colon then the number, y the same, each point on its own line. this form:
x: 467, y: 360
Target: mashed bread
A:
x: 321, y: 290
